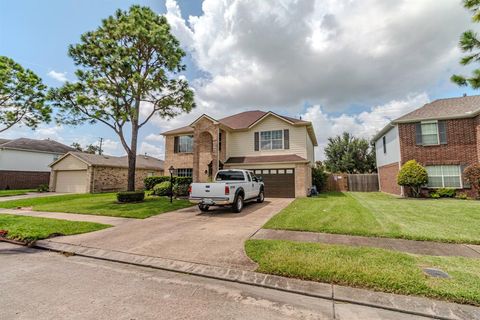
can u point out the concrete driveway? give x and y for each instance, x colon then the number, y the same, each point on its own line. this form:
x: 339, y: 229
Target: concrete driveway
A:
x: 214, y: 238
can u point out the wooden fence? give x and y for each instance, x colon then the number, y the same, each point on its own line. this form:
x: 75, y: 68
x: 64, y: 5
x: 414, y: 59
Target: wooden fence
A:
x: 363, y: 182
x: 352, y: 182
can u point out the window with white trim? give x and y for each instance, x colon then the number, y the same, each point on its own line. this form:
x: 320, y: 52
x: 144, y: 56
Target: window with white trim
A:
x: 448, y: 176
x: 271, y: 140
x: 184, y: 172
x: 430, y: 133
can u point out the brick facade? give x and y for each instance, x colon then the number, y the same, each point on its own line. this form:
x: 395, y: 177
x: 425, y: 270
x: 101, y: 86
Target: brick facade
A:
x: 387, y: 176
x: 177, y: 160
x: 462, y: 147
x: 23, y: 179
x: 105, y: 179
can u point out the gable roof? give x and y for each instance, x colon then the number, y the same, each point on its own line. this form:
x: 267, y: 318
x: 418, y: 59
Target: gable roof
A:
x: 46, y: 146
x: 96, y: 160
x: 459, y: 107
x: 245, y: 120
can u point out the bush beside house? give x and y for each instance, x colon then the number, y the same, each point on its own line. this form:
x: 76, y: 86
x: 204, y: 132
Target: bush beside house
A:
x: 412, y: 175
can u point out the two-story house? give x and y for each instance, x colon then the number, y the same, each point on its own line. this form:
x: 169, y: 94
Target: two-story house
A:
x: 443, y: 136
x: 24, y: 162
x: 278, y: 148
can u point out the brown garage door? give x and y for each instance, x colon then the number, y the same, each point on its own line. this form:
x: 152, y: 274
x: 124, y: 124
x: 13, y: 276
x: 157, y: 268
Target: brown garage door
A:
x: 279, y: 183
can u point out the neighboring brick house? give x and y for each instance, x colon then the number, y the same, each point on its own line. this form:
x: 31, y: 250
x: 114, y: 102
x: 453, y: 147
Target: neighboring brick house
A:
x: 24, y: 162
x: 278, y: 148
x: 443, y: 136
x: 79, y: 172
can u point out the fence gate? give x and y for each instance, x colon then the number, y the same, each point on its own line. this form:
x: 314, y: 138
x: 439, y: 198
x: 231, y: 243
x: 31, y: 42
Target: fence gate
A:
x: 363, y: 182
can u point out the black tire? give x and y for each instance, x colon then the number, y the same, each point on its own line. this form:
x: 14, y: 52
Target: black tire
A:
x: 238, y: 204
x: 203, y: 208
x: 261, y: 196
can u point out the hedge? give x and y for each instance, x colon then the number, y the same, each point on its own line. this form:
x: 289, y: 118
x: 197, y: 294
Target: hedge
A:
x: 150, y: 182
x: 130, y: 196
x: 162, y: 188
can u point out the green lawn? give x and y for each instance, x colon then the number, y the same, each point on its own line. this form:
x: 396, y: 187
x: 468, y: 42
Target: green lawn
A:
x: 372, y: 268
x: 8, y: 193
x: 104, y: 204
x: 34, y: 228
x: 382, y: 215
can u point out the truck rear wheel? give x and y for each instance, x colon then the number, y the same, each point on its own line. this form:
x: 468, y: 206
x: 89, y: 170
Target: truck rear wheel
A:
x: 261, y: 197
x: 238, y: 205
x: 203, y: 207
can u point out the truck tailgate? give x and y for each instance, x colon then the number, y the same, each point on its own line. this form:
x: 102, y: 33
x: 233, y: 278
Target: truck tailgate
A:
x: 208, y: 190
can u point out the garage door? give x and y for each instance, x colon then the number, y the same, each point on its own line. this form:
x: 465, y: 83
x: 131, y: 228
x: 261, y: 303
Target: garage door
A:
x: 279, y: 183
x: 71, y: 181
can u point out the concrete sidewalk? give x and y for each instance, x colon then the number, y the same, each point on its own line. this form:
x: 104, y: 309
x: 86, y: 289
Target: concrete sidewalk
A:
x: 410, y: 246
x: 410, y: 306
x: 114, y: 221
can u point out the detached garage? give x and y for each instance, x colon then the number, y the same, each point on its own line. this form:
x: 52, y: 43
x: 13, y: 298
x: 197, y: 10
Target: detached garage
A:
x: 78, y: 172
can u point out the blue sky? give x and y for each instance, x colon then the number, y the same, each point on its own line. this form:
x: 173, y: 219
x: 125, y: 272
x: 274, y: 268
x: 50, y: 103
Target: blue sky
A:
x: 344, y: 67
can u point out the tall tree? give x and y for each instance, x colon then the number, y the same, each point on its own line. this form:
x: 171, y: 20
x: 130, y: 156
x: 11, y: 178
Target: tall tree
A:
x: 90, y: 148
x: 131, y: 62
x: 22, y: 96
x: 349, y: 154
x: 470, y: 44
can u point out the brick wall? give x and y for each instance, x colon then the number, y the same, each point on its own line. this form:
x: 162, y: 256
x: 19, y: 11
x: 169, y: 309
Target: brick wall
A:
x: 107, y: 179
x: 177, y: 160
x: 461, y: 147
x: 23, y: 179
x: 388, y: 178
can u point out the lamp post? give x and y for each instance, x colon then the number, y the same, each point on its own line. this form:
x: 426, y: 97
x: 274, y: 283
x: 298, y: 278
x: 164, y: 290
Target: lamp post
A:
x: 171, y: 169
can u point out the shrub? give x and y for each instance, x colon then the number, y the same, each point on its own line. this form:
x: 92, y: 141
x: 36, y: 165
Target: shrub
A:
x: 434, y: 195
x: 130, y: 196
x: 180, y: 189
x: 472, y: 175
x: 446, y: 192
x: 162, y: 189
x: 462, y: 196
x: 150, y: 182
x: 43, y: 188
x: 319, y: 178
x: 412, y: 175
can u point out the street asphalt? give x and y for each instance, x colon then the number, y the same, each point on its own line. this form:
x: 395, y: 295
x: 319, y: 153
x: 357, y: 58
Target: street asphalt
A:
x: 38, y: 284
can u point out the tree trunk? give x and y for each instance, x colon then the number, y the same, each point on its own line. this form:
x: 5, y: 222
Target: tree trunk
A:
x: 132, y: 158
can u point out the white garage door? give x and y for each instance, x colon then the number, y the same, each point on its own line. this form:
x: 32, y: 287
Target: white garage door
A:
x: 71, y: 181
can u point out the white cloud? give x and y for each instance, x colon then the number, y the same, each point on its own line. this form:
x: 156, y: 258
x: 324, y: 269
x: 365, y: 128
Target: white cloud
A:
x: 332, y: 53
x: 154, y: 137
x: 111, y: 147
x: 59, y: 76
x: 152, y: 150
x: 365, y: 124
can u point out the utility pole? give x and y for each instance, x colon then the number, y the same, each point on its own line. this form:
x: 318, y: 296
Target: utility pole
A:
x: 100, y: 150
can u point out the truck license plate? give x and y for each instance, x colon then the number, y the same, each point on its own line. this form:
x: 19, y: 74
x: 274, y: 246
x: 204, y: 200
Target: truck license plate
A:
x: 207, y: 201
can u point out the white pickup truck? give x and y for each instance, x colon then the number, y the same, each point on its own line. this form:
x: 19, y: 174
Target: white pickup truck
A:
x: 231, y: 187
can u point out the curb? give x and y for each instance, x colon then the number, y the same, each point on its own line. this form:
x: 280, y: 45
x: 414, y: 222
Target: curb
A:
x: 405, y: 304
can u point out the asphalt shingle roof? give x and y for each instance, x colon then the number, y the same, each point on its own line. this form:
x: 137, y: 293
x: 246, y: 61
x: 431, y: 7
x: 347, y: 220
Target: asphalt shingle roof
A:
x: 239, y: 121
x: 46, y: 145
x: 143, y: 162
x: 265, y: 159
x: 460, y: 107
